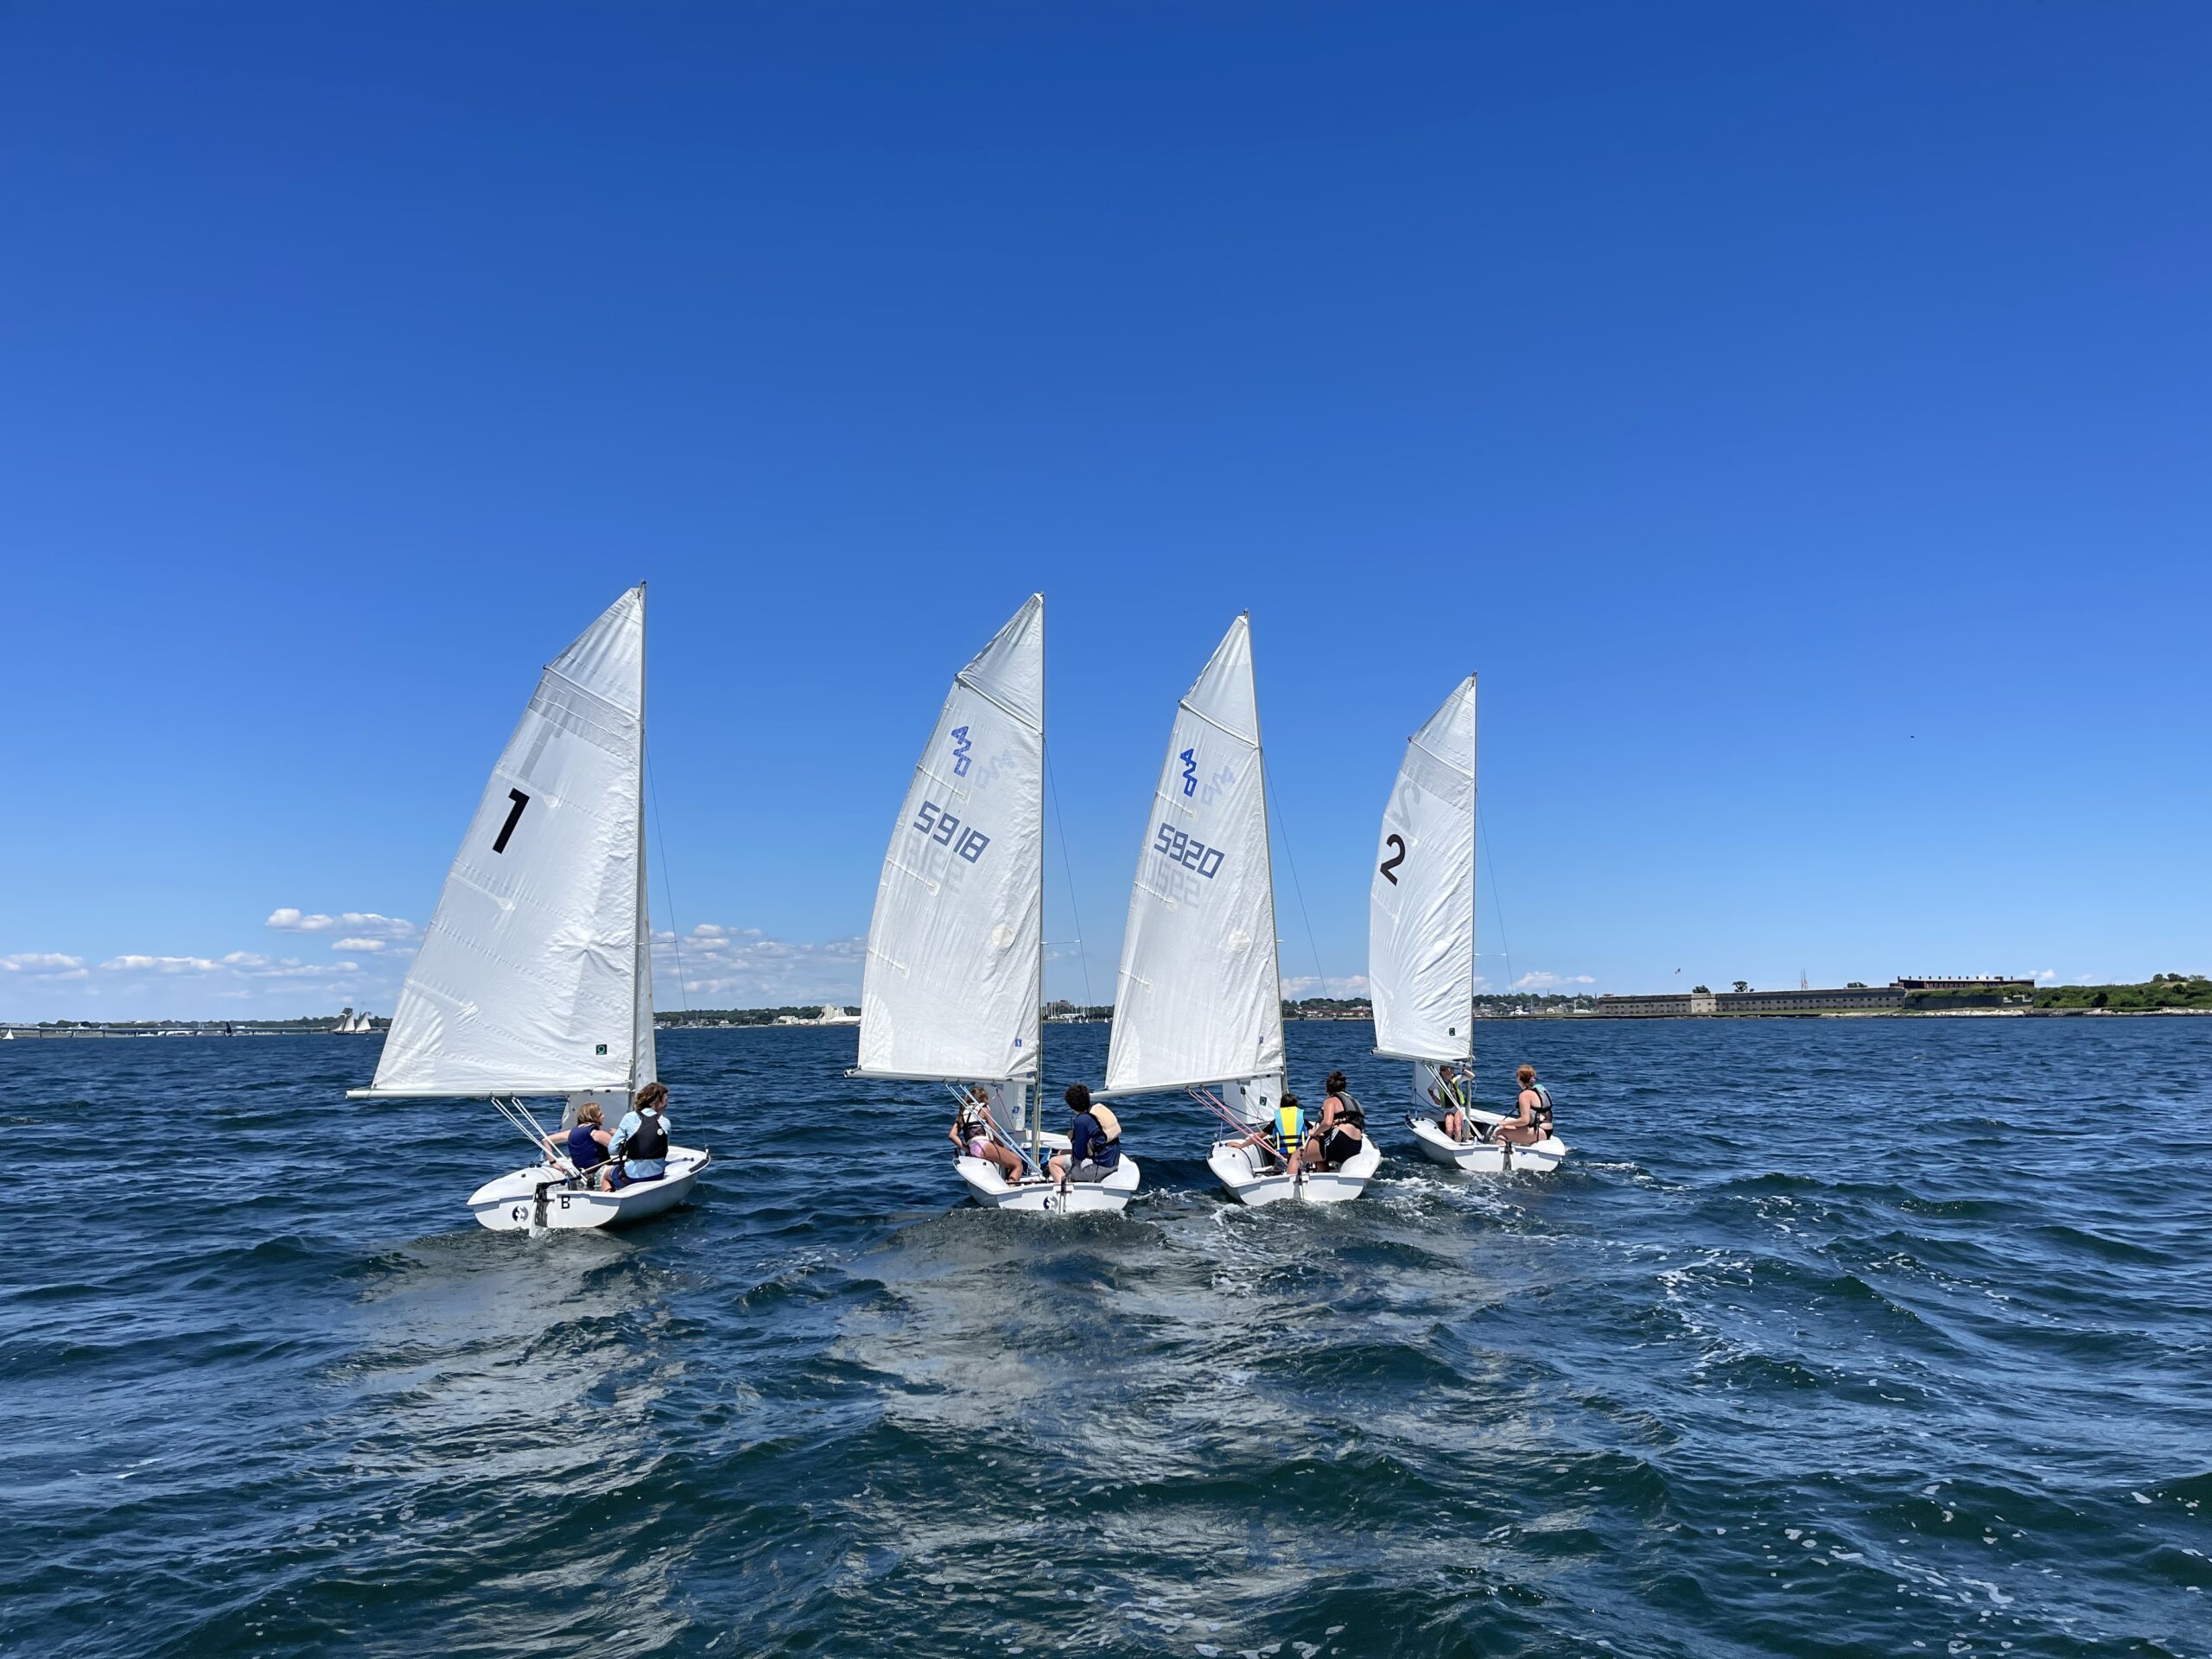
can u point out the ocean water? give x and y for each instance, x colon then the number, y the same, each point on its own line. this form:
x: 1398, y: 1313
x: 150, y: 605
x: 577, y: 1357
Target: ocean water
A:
x: 1914, y: 1359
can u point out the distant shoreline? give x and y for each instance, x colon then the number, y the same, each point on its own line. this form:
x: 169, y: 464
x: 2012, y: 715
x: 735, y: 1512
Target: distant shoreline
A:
x: 27, y: 1032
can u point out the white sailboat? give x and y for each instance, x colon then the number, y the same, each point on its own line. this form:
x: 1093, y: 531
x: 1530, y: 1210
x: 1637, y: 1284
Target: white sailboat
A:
x: 535, y: 976
x: 1199, y: 1003
x: 1420, y: 941
x: 953, y: 987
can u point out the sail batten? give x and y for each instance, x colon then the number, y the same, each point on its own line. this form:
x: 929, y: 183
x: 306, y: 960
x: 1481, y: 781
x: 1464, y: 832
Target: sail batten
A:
x: 1421, y: 930
x: 956, y: 945
x: 1197, y: 999
x: 534, y: 975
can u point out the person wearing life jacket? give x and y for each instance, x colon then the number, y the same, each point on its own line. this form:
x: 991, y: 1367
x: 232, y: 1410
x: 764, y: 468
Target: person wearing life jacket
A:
x: 1534, y: 1105
x: 584, y: 1146
x: 1336, y: 1101
x: 640, y: 1149
x: 1450, y: 1099
x: 1342, y: 1132
x: 971, y: 1132
x: 1281, y: 1135
x: 1093, y: 1141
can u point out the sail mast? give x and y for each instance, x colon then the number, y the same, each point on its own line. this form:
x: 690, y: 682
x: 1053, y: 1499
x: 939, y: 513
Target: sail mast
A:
x: 1267, y: 845
x: 1474, y: 827
x: 645, y: 1062
x: 1036, y: 1001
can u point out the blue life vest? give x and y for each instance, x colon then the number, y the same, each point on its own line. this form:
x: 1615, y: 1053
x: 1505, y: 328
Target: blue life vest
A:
x: 584, y: 1152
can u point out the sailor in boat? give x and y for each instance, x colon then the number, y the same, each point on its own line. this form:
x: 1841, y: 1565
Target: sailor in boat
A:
x: 1535, y: 1107
x: 640, y: 1149
x: 1449, y: 1097
x: 1093, y: 1141
x: 585, y: 1145
x: 1336, y: 1102
x: 1284, y: 1134
x: 1342, y: 1132
x: 971, y: 1132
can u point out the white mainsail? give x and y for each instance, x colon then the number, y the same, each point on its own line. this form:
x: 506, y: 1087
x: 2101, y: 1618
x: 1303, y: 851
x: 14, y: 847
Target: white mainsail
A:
x: 955, y: 948
x: 1421, y: 913
x: 1199, y: 1000
x: 535, y: 975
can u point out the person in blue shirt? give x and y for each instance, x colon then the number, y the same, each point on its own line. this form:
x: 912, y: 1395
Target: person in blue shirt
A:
x: 640, y: 1149
x: 1093, y: 1141
x: 585, y: 1146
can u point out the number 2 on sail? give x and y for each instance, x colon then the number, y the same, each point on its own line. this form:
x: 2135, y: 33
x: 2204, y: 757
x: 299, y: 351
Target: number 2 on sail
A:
x: 1388, y: 866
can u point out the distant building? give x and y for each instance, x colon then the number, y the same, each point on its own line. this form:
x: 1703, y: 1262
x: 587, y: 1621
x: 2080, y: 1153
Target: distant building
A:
x: 1966, y: 982
x: 1981, y: 990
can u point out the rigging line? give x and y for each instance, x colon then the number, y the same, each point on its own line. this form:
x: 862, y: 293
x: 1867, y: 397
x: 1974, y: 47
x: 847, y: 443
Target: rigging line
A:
x: 668, y: 887
x: 1495, y: 908
x: 1067, y: 869
x: 1320, y: 983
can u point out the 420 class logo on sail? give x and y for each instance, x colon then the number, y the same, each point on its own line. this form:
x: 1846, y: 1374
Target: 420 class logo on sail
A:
x: 1209, y: 790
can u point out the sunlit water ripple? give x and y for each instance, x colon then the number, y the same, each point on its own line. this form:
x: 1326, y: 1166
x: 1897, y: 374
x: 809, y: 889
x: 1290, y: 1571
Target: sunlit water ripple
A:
x: 1916, y: 1362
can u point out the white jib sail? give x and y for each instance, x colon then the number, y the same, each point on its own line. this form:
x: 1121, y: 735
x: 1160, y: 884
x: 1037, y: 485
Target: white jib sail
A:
x: 535, y: 975
x: 955, y: 948
x: 1420, y: 912
x: 1199, y: 1000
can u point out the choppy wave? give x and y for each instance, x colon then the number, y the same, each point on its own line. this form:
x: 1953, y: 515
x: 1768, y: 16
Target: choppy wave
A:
x: 1910, y: 1362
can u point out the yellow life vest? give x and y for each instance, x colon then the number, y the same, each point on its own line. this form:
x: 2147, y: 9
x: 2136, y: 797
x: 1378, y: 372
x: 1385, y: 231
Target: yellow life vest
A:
x: 1108, y: 1125
x: 1290, y: 1121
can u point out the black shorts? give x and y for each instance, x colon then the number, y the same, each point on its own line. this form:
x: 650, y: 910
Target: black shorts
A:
x: 1339, y: 1147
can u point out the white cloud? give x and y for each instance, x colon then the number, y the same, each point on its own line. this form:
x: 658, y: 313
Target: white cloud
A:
x: 251, y: 964
x: 367, y: 923
x: 357, y: 944
x: 2047, y: 975
x: 1543, y: 982
x: 1298, y: 986
x: 149, y: 985
x: 44, y: 964
x: 741, y: 967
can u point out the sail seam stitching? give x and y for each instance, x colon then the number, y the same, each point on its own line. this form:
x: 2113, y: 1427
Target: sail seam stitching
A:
x: 1007, y: 709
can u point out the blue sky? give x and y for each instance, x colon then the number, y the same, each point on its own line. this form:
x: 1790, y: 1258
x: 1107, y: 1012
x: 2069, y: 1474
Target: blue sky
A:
x: 1799, y: 414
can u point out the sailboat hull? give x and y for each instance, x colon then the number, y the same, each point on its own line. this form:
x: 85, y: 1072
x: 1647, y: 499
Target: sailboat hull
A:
x: 1485, y: 1157
x: 1252, y: 1177
x: 1077, y: 1198
x: 542, y: 1197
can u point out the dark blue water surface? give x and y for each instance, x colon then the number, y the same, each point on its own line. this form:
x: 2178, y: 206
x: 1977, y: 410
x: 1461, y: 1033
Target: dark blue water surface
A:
x: 1915, y: 1359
